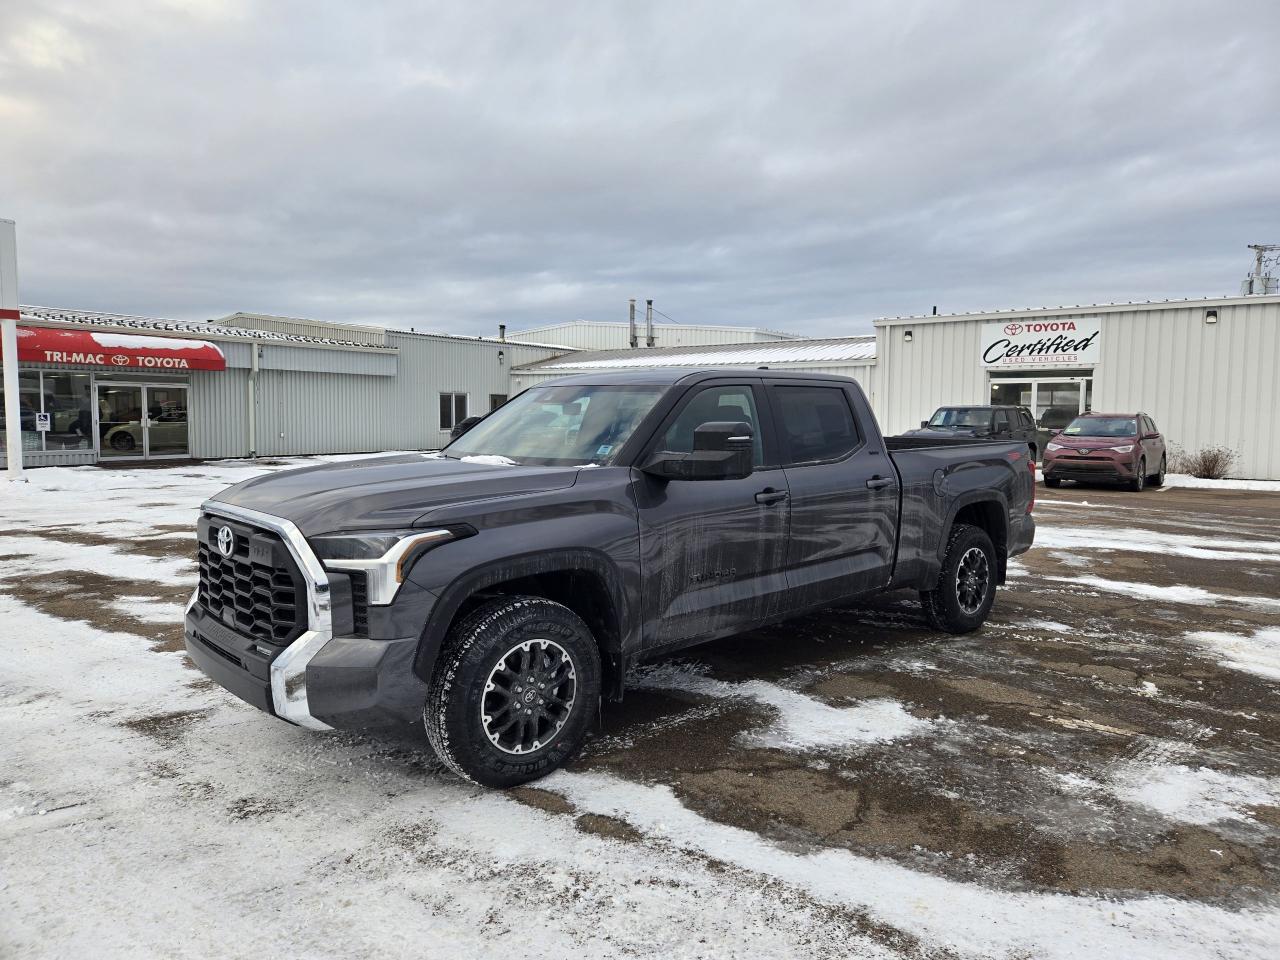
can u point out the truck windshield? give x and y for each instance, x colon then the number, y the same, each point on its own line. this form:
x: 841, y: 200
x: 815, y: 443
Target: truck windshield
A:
x: 1102, y: 427
x: 559, y: 426
x: 968, y: 417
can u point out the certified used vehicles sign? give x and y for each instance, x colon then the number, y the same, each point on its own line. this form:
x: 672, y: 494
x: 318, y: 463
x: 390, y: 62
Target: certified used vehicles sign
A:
x: 1042, y: 343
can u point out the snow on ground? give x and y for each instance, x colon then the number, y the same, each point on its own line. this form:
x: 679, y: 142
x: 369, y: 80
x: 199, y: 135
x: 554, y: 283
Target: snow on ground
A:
x: 955, y: 916
x: 147, y: 813
x: 1173, y: 480
x: 1257, y: 653
x: 1195, y: 795
x: 1136, y: 540
x: 1175, y: 594
x: 801, y: 722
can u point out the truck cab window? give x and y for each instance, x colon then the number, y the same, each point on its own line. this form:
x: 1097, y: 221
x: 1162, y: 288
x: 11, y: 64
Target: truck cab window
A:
x: 817, y: 423
x: 715, y: 404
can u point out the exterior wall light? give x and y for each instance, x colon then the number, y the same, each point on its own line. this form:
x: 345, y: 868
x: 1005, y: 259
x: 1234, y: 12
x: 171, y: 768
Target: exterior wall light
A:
x: 1211, y: 316
x: 906, y: 336
x: 502, y: 356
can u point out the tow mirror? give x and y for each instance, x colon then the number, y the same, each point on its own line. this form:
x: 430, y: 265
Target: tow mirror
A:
x: 722, y: 450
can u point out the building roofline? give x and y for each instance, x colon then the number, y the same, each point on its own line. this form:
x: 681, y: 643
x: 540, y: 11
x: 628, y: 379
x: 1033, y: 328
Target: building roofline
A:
x: 160, y: 327
x: 1083, y: 308
x: 657, y: 326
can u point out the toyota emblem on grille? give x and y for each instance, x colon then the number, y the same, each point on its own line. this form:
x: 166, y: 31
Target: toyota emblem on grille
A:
x: 1084, y: 451
x: 226, y: 541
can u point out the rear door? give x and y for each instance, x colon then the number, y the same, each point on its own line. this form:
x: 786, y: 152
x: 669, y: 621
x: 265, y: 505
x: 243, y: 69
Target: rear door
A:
x: 1152, y: 443
x: 713, y: 552
x: 844, y: 495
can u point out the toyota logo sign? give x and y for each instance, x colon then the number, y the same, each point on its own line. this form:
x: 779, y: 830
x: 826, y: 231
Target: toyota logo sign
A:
x: 226, y: 541
x: 120, y: 360
x: 1012, y: 329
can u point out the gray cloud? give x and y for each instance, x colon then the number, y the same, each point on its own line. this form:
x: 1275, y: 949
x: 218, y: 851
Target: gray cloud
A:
x: 803, y: 166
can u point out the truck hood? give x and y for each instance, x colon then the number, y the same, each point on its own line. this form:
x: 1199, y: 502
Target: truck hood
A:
x: 385, y: 492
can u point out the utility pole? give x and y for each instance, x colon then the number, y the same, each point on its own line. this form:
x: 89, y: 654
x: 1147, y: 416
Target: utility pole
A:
x: 1259, y: 282
x: 9, y: 345
x: 631, y: 325
x: 648, y: 323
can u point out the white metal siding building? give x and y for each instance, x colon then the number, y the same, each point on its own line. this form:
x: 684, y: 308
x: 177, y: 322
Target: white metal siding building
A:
x: 608, y: 335
x: 1205, y: 370
x: 138, y: 388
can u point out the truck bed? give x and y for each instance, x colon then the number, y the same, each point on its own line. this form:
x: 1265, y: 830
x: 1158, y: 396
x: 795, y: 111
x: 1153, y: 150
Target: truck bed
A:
x: 895, y: 444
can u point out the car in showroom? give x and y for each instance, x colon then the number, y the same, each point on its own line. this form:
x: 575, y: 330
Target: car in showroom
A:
x: 1107, y: 447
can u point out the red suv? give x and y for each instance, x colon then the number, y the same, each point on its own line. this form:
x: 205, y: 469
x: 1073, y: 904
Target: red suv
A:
x: 1124, y: 447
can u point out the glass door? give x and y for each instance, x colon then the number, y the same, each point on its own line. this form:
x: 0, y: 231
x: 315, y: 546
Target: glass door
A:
x: 120, y: 415
x: 166, y: 423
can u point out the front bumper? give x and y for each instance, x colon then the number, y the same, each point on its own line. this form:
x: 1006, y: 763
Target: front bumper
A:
x: 318, y: 681
x: 1095, y: 468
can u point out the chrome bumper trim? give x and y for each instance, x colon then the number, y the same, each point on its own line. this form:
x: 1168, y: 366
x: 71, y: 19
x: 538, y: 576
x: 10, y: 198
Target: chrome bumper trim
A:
x: 289, y: 669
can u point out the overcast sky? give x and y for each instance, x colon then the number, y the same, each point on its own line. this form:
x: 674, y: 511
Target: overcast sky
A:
x: 800, y: 166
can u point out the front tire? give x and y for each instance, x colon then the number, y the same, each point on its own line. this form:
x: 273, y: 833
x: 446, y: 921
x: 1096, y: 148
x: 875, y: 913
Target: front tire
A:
x: 513, y: 691
x: 966, y: 587
x: 1139, y: 477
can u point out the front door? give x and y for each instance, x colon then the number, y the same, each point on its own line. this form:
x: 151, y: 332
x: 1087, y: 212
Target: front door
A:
x: 121, y: 412
x: 137, y: 422
x: 844, y: 493
x: 713, y: 552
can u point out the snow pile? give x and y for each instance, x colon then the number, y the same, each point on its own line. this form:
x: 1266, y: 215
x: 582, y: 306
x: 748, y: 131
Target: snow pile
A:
x: 1197, y: 483
x: 1175, y: 594
x: 1194, y: 795
x: 802, y: 722
x: 491, y: 459
x: 954, y: 916
x: 1258, y: 654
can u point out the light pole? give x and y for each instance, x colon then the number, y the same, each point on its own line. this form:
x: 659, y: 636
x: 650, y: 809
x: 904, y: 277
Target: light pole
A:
x: 9, y: 346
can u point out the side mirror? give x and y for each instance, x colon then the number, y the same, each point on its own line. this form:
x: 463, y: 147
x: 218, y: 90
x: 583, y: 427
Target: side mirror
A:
x: 1151, y: 436
x: 924, y: 424
x: 722, y: 450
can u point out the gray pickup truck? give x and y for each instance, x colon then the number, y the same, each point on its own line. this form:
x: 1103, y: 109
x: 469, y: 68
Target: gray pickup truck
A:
x: 499, y: 589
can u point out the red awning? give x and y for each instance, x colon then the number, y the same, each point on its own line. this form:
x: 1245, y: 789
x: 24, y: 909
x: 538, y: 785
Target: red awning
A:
x: 124, y: 351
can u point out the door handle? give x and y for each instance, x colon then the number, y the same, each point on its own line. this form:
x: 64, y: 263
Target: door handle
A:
x: 879, y: 483
x: 770, y: 495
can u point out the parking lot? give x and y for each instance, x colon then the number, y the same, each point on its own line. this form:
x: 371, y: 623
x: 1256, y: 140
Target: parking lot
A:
x: 1097, y: 770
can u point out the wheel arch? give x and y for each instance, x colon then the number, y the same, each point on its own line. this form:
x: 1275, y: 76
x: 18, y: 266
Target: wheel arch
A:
x: 989, y: 514
x: 585, y: 581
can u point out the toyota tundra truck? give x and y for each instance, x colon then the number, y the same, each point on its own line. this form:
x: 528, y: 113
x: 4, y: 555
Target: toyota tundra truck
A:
x: 499, y: 590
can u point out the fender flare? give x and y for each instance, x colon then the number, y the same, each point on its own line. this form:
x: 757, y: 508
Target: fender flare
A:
x: 475, y: 580
x: 968, y: 499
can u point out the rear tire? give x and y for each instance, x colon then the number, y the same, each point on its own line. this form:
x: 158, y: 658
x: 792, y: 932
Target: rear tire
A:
x: 1139, y: 477
x: 966, y: 587
x: 1053, y: 483
x: 1157, y: 479
x: 484, y: 718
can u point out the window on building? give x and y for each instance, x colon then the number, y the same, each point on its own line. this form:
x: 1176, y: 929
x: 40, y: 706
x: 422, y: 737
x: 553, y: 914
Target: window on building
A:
x: 48, y: 396
x: 68, y: 401
x: 496, y: 400
x: 453, y: 410
x: 817, y: 423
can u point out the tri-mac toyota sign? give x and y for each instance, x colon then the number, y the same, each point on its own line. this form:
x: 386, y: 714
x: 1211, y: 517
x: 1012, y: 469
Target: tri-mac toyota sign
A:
x: 1042, y: 343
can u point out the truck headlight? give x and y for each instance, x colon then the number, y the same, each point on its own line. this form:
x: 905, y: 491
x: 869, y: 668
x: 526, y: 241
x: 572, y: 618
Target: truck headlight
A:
x: 383, y: 556
x: 1052, y: 446
x: 1126, y: 448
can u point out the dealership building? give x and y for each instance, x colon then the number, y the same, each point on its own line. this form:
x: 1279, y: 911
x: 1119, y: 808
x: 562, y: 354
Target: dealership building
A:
x: 101, y: 387
x: 1204, y: 370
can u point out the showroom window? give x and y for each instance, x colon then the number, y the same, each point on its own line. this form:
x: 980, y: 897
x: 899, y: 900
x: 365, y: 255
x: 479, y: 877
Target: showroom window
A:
x: 453, y: 410
x: 65, y: 398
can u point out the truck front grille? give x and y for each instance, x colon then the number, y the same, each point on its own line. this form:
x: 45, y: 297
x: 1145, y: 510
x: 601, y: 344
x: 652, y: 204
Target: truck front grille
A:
x: 257, y: 590
x: 360, y: 602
